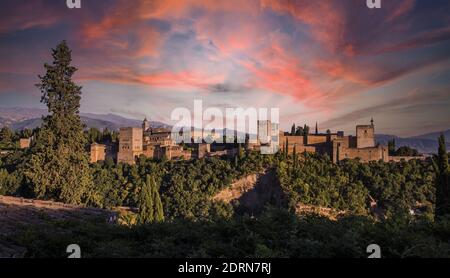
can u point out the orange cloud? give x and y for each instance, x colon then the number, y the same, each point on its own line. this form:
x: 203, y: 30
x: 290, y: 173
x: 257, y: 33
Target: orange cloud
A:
x: 280, y: 71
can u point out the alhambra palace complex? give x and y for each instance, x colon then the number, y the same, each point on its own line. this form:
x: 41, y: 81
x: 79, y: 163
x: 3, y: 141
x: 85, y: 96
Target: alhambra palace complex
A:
x: 158, y: 143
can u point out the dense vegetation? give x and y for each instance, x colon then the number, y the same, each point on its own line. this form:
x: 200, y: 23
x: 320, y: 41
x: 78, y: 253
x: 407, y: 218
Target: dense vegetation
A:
x: 276, y: 233
x: 351, y: 185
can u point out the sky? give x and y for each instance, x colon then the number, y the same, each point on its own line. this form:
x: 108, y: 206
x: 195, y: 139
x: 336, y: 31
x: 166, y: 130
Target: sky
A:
x: 337, y: 63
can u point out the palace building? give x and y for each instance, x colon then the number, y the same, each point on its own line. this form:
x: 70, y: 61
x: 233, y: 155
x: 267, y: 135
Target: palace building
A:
x: 153, y: 142
x: 338, y: 146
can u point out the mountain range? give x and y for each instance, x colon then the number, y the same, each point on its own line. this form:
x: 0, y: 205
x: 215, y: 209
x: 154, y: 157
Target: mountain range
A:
x: 19, y: 118
x: 426, y: 143
x: 22, y: 118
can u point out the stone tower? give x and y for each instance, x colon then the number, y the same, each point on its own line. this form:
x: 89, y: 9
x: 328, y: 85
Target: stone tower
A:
x: 365, y: 136
x: 145, y: 125
x: 130, y: 144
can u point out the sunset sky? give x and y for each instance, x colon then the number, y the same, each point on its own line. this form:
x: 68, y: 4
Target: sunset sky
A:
x: 331, y: 61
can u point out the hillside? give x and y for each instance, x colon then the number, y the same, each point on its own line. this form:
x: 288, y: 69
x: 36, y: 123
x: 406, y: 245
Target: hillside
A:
x: 18, y: 213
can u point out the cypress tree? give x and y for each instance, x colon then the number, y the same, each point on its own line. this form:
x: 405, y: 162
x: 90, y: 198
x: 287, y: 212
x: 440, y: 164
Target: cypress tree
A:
x: 442, y: 171
x: 287, y: 148
x: 158, y: 207
x: 150, y: 208
x: 58, y: 167
x: 293, y: 129
x: 295, y: 156
x: 295, y: 151
x: 145, y: 203
x: 240, y: 151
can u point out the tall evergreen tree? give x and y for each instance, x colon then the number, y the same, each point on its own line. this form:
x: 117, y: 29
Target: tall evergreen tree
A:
x: 294, y: 156
x: 59, y: 165
x: 287, y: 148
x: 158, y: 209
x: 391, y: 147
x: 293, y: 129
x: 145, y: 203
x: 240, y: 151
x: 150, y: 205
x: 299, y: 131
x: 306, y: 130
x: 442, y: 169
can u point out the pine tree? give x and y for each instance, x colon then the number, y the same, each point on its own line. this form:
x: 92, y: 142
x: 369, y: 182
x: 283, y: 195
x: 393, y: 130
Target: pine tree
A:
x: 442, y: 169
x: 145, y: 203
x: 59, y: 165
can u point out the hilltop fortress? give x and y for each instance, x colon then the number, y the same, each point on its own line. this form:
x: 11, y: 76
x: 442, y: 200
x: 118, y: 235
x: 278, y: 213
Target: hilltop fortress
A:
x: 338, y: 146
x: 158, y: 143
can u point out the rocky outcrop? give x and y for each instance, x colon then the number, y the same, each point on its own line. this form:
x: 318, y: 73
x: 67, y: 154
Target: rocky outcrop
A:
x: 252, y: 193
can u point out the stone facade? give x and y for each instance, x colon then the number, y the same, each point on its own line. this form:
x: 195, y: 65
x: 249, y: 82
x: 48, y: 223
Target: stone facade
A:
x: 203, y: 150
x: 406, y: 158
x: 362, y: 146
x: 365, y: 136
x: 98, y: 152
x: 295, y: 141
x: 338, y: 146
x: 24, y: 143
x: 130, y: 144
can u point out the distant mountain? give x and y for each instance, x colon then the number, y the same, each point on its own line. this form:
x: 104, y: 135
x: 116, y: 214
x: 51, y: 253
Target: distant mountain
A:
x: 36, y: 122
x: 22, y: 118
x: 434, y: 135
x: 4, y: 122
x: 426, y: 143
x: 118, y: 120
x: 17, y: 114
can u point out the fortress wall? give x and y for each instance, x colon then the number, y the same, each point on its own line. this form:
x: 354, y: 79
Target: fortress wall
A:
x: 316, y: 139
x: 364, y: 154
x: 299, y: 140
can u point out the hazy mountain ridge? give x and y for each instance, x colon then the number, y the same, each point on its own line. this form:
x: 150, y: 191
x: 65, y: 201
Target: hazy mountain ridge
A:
x: 21, y: 118
x: 426, y: 143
